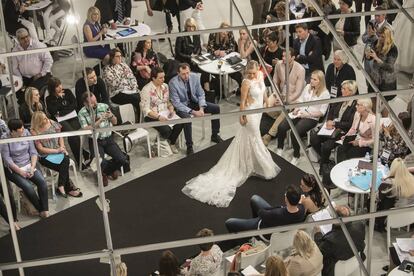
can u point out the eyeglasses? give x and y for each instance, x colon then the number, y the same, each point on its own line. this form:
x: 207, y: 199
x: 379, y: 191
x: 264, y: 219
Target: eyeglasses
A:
x: 23, y: 37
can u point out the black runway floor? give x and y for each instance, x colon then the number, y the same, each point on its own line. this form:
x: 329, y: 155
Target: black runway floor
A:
x: 145, y: 210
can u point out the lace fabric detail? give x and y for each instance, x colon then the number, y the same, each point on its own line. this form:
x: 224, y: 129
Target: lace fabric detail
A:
x: 246, y: 156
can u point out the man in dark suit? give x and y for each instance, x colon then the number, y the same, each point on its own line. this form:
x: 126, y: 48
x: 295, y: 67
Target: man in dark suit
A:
x: 113, y: 11
x: 309, y: 50
x: 264, y: 215
x: 96, y: 86
x: 334, y: 246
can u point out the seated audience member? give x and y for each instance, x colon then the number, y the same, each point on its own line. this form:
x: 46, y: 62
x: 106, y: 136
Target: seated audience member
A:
x: 155, y: 105
x: 363, y: 128
x: 220, y: 44
x: 335, y: 247
x: 305, y: 118
x: 61, y: 102
x: 340, y: 118
x: 337, y: 72
x: 308, y: 50
x: 188, y: 46
x: 106, y: 144
x: 270, y: 121
x: 120, y: 81
x: 328, y: 8
x: 187, y: 97
x: 208, y: 262
x: 143, y: 60
x: 381, y: 60
x: 347, y: 28
x: 312, y: 199
x: 373, y: 26
x: 278, y: 14
x: 94, y: 31
x: 96, y: 86
x: 20, y: 159
x: 168, y: 265
x: 33, y: 68
x: 245, y: 45
x: 393, y: 145
x: 306, y: 259
x: 275, y: 266
x: 113, y: 14
x: 271, y: 54
x: 264, y: 215
x: 16, y: 16
x: 397, y: 190
x: 53, y: 154
x: 32, y: 104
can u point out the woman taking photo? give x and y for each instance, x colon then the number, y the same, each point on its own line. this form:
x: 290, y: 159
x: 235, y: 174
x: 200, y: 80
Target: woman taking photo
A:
x: 381, y: 60
x: 143, y: 60
x: 305, y: 118
x: 312, y: 199
x: 92, y: 32
x: 307, y: 259
x: 361, y: 133
x: 32, y: 104
x: 340, y: 118
x: 20, y: 160
x: 61, y: 105
x: 53, y: 154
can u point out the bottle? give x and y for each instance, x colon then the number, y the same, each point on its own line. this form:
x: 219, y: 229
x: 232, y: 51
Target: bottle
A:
x: 386, y: 169
x: 367, y: 158
x: 350, y: 174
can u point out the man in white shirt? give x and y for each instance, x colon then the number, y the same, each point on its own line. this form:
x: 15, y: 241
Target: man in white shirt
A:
x: 33, y: 68
x: 270, y: 121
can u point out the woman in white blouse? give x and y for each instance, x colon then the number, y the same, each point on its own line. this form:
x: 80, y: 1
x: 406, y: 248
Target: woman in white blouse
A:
x: 305, y: 118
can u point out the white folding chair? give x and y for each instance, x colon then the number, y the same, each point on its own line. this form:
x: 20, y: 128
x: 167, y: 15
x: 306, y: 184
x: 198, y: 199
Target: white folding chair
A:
x: 128, y: 115
x: 281, y: 241
x: 397, y: 221
x: 90, y: 62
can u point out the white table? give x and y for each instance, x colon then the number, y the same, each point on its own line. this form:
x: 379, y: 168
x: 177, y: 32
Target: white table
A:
x: 397, y: 272
x: 142, y: 29
x: 6, y: 90
x: 212, y: 67
x: 339, y: 177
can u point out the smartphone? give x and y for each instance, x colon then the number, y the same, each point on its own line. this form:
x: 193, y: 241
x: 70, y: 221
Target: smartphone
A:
x: 408, y: 268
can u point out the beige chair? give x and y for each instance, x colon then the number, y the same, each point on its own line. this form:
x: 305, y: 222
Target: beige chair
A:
x: 348, y: 267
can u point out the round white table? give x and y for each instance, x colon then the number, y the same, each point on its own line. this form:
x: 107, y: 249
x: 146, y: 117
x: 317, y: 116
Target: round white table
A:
x: 141, y: 30
x: 397, y: 272
x: 6, y: 90
x: 339, y: 177
x: 226, y: 69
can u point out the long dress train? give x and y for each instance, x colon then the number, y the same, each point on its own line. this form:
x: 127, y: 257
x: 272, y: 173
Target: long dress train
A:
x: 246, y: 156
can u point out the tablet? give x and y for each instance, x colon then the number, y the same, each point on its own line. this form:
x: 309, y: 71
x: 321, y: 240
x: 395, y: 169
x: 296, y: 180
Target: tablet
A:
x: 349, y: 138
x: 127, y: 32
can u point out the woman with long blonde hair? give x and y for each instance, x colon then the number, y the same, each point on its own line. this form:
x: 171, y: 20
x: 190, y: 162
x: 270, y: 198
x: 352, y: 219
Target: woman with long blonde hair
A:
x: 381, y: 60
x: 307, y: 259
x: 305, y: 118
x: 275, y: 267
x: 32, y: 104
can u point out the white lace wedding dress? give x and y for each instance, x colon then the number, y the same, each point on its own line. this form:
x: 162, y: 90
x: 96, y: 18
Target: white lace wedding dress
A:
x: 246, y: 156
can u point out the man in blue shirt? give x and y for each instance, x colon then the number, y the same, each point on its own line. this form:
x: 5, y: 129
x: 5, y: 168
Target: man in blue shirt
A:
x: 188, y: 98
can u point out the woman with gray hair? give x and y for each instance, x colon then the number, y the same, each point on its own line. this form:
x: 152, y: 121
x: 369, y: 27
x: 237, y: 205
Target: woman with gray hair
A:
x: 338, y: 71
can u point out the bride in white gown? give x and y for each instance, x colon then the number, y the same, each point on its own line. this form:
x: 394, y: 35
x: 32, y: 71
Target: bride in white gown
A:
x: 246, y: 155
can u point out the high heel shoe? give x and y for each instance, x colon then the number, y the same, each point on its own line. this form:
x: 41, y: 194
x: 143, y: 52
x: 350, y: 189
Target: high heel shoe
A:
x: 59, y: 193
